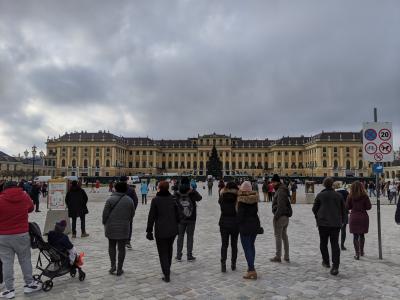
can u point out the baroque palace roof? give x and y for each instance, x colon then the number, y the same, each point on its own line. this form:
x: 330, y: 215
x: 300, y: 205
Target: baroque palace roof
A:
x: 103, y: 136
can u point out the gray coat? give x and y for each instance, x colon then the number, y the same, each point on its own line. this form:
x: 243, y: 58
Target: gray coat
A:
x: 117, y: 216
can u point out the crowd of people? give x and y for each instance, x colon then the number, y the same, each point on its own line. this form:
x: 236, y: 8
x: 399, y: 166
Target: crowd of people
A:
x: 172, y: 216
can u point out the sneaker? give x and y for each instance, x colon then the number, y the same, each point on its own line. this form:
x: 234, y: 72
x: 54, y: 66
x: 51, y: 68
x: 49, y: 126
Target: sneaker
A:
x: 191, y: 258
x: 8, y: 294
x: 178, y: 258
x: 83, y: 235
x: 34, y: 286
x: 129, y: 246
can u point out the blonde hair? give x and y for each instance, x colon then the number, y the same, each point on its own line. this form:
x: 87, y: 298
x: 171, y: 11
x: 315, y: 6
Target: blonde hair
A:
x: 337, y: 185
x: 357, y: 190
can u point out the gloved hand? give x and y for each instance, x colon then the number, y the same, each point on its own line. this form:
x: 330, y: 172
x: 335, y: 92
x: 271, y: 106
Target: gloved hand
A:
x: 149, y: 236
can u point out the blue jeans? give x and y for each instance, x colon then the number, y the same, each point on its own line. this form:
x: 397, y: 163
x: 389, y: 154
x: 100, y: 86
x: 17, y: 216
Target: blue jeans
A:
x: 249, y: 249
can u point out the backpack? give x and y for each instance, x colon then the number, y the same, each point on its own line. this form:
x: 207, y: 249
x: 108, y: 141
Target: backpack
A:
x: 186, y: 206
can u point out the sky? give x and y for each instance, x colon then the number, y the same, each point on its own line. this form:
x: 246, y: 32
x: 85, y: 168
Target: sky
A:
x: 176, y: 69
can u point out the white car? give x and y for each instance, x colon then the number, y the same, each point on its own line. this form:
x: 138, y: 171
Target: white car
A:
x: 133, y: 179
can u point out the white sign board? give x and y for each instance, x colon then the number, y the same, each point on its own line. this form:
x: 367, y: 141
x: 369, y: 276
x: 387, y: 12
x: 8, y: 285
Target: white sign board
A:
x: 378, y: 142
x: 57, y: 193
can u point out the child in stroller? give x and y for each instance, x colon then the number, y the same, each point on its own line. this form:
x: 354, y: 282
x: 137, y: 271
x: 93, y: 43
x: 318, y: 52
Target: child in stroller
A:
x: 59, y: 252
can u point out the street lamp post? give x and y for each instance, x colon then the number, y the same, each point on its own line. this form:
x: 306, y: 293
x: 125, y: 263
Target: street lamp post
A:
x: 33, y: 161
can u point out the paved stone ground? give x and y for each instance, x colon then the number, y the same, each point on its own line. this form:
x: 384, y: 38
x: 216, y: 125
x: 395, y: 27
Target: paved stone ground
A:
x: 303, y: 278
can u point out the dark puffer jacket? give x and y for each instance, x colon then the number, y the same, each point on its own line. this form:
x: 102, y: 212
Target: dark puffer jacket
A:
x: 76, y: 200
x: 247, y: 214
x: 329, y: 209
x: 227, y: 202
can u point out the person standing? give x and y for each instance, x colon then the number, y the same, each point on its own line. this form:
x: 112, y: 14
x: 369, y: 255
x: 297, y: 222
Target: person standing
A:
x: 132, y: 194
x: 344, y: 193
x: 249, y: 225
x: 293, y: 189
x: 210, y: 186
x: 371, y: 189
x: 271, y: 191
x: 186, y: 200
x: 358, y: 203
x: 264, y: 189
x: 117, y: 215
x: 76, y: 201
x: 329, y: 213
x: 282, y: 211
x: 164, y: 217
x: 144, y: 189
x: 15, y: 205
x: 97, y: 186
x: 228, y: 224
x: 193, y: 184
x: 35, y: 194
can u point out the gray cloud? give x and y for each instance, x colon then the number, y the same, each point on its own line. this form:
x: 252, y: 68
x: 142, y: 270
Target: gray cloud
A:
x: 173, y: 69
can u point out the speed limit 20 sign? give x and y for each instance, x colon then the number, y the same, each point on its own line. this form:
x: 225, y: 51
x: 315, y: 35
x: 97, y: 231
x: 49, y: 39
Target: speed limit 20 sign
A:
x: 378, y: 142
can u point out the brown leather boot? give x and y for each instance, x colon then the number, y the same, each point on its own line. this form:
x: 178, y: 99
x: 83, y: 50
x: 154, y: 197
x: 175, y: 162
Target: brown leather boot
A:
x: 250, y: 275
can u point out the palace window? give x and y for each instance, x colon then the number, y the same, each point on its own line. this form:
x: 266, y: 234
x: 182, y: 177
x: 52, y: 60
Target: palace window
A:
x: 335, y: 149
x: 74, y: 163
x: 63, y: 163
x: 108, y: 163
x: 335, y: 164
x: 324, y: 164
x: 360, y: 164
x: 348, y: 165
x: 97, y: 163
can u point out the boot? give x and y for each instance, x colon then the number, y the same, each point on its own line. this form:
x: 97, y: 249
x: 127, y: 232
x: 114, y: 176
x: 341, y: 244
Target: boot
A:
x: 357, y: 250
x: 233, y: 266
x: 112, y: 269
x: 223, y: 267
x: 250, y: 275
x: 362, y: 241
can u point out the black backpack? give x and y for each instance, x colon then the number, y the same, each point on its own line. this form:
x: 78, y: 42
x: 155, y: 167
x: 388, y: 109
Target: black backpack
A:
x: 186, y: 205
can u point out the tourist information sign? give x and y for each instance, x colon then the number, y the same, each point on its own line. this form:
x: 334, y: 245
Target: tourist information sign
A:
x: 378, y: 142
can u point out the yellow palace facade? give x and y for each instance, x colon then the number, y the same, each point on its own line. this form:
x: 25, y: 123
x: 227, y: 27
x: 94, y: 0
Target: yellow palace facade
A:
x: 105, y: 154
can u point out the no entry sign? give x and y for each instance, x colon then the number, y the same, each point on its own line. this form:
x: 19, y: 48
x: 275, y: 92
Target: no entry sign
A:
x: 378, y: 142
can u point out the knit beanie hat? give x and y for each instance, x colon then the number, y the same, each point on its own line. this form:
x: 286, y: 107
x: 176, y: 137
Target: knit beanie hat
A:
x: 246, y: 186
x: 60, y: 226
x: 276, y: 178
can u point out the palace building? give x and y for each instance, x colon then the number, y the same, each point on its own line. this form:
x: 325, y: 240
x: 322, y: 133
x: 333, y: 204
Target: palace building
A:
x: 105, y: 154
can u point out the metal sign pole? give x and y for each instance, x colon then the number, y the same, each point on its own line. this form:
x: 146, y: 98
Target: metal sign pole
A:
x: 378, y: 201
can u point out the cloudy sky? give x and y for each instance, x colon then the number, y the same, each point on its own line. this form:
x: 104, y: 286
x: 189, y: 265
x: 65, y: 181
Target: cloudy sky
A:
x: 173, y: 69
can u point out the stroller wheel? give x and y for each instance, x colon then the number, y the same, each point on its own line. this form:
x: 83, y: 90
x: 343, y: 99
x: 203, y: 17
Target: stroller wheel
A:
x: 82, y: 276
x: 72, y: 273
x: 47, y: 285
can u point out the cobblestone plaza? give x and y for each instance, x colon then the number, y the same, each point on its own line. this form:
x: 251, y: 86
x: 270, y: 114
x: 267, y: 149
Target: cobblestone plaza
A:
x: 303, y: 278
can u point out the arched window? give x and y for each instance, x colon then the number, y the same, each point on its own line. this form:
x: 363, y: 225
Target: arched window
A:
x: 97, y: 163
x: 74, y: 163
x: 107, y: 163
x: 335, y: 164
x: 324, y: 164
x: 63, y: 163
x: 348, y: 165
x: 85, y: 163
x: 360, y: 164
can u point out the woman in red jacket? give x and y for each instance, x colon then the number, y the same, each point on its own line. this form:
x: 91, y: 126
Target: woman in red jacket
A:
x: 358, y: 202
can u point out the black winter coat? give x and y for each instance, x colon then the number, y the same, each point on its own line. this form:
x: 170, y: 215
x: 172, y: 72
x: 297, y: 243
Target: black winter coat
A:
x: 164, y: 214
x: 227, y: 202
x: 397, y: 215
x: 76, y: 200
x: 344, y: 194
x: 329, y: 209
x: 247, y: 214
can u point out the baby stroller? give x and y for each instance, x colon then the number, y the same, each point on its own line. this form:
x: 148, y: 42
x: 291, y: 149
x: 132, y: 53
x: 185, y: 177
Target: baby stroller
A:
x: 51, y: 262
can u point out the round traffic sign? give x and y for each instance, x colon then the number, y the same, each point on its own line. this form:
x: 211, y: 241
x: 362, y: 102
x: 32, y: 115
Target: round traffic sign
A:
x: 371, y: 148
x: 370, y: 134
x: 385, y: 134
x: 385, y: 148
x: 378, y: 156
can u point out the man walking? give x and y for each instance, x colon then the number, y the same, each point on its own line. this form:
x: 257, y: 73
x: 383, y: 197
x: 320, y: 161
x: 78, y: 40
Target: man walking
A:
x: 282, y: 211
x: 293, y: 188
x: 76, y: 200
x: 329, y: 212
x: 15, y: 205
x: 35, y: 193
x: 186, y: 200
x: 131, y: 193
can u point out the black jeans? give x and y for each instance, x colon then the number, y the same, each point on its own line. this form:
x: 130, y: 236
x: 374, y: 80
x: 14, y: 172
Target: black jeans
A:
x: 36, y: 202
x: 165, y: 251
x: 1, y: 272
x: 83, y: 224
x: 130, y: 232
x: 343, y: 234
x: 112, y: 252
x: 225, y: 234
x: 331, y: 234
x: 144, y: 198
x: 189, y: 229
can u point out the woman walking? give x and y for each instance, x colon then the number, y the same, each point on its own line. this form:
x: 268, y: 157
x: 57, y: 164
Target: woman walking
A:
x: 163, y: 215
x: 117, y: 215
x: 249, y: 225
x: 228, y: 224
x: 358, y: 202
